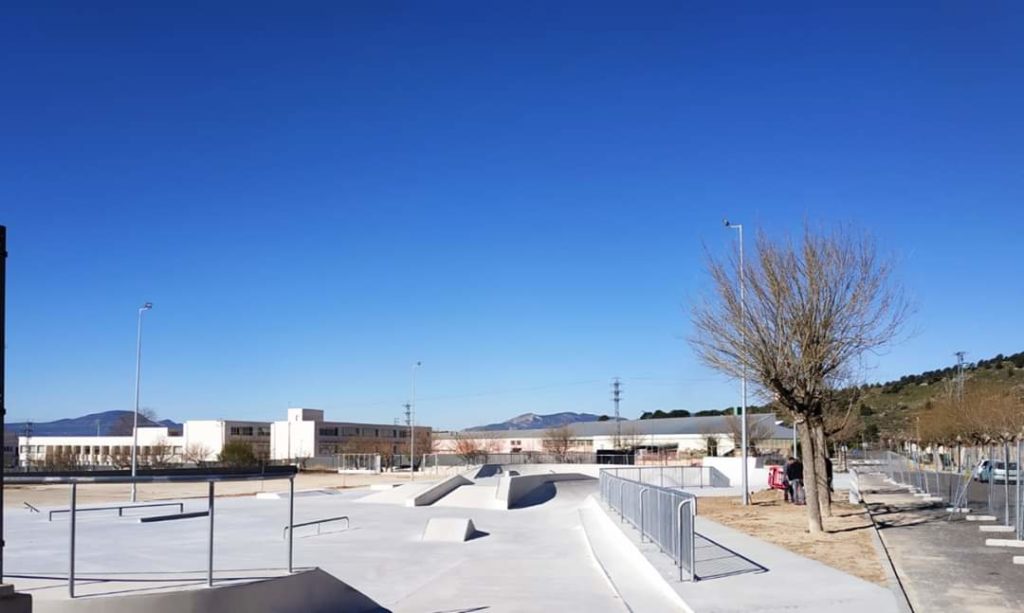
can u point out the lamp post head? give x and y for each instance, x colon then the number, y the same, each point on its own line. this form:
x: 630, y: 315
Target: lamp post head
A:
x: 146, y: 307
x: 726, y: 222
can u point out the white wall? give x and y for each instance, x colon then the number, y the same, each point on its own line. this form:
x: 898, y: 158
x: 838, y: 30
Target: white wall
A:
x: 292, y: 439
x: 208, y: 433
x: 757, y: 472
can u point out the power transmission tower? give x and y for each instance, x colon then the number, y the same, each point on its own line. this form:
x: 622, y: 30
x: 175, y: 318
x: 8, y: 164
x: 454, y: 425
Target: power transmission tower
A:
x: 616, y: 396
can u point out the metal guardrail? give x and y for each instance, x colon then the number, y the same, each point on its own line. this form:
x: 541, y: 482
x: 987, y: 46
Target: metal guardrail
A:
x: 31, y: 508
x: 74, y: 480
x: 317, y: 523
x: 121, y: 507
x: 664, y: 516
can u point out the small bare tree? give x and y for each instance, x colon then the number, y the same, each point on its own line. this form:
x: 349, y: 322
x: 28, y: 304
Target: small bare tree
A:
x: 558, y: 441
x: 758, y: 430
x: 468, y: 448
x: 197, y: 453
x: 161, y: 454
x: 811, y: 310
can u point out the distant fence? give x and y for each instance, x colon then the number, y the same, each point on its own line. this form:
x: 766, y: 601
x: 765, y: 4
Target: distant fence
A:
x: 673, y: 476
x: 528, y: 457
x: 664, y: 516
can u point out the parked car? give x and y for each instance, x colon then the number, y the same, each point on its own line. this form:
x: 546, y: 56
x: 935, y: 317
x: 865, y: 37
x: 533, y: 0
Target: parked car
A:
x: 994, y: 471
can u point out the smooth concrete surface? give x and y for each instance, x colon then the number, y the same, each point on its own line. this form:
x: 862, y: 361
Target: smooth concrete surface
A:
x: 738, y: 572
x: 474, y: 496
x: 449, y: 529
x: 437, y: 491
x: 532, y: 559
x: 1004, y: 543
x: 400, y: 494
x: 981, y: 518
x: 298, y: 494
x: 632, y: 575
x: 311, y: 591
x: 996, y: 528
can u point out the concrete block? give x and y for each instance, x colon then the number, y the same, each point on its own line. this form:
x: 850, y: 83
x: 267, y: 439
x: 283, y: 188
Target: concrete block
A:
x: 996, y: 528
x: 437, y: 491
x: 981, y: 518
x: 1018, y: 559
x: 1004, y: 543
x: 14, y: 602
x: 958, y: 509
x: 449, y: 529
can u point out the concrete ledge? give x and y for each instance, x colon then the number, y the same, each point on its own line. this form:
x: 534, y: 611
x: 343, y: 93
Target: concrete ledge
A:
x: 981, y: 518
x: 958, y: 509
x: 312, y: 591
x: 996, y: 528
x: 449, y: 529
x: 437, y: 491
x: 1018, y: 559
x: 1004, y: 543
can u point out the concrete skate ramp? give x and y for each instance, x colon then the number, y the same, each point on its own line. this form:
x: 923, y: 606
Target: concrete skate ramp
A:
x: 398, y: 495
x: 449, y: 530
x: 529, y: 490
x: 437, y: 491
x: 473, y: 497
x: 312, y: 591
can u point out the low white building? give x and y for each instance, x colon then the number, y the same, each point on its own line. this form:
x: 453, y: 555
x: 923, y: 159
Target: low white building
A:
x: 205, y: 438
x: 156, y: 447
x: 712, y: 435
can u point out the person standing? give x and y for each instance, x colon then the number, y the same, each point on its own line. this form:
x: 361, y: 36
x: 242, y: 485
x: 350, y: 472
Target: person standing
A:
x: 795, y: 476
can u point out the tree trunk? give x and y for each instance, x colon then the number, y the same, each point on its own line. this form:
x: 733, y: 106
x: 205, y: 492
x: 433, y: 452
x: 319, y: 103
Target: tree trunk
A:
x: 824, y: 494
x: 810, y: 447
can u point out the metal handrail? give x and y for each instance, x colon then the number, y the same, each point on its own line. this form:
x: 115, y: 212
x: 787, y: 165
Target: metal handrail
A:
x: 121, y: 508
x: 30, y: 507
x: 317, y: 523
x: 196, y: 478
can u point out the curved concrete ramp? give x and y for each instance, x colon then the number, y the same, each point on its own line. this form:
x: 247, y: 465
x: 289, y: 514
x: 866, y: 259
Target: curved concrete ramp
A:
x: 312, y: 591
x: 449, y: 529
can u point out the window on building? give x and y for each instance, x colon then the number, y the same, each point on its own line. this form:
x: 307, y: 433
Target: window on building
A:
x: 350, y: 431
x: 241, y: 430
x: 262, y: 430
x: 328, y: 432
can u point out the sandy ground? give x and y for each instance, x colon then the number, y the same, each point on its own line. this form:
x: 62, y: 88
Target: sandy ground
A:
x: 846, y: 546
x: 57, y: 495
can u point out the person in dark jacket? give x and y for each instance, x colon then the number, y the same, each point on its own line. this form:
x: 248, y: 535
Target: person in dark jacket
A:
x: 795, y: 476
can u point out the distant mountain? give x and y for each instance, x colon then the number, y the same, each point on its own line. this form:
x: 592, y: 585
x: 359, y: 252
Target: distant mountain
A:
x: 85, y: 425
x: 532, y: 421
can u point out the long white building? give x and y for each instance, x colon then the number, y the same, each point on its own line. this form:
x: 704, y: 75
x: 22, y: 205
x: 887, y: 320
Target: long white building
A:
x: 303, y: 435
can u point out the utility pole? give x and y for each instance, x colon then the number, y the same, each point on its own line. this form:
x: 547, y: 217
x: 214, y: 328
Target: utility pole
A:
x: 3, y: 406
x: 743, y: 327
x: 616, y: 396
x: 960, y: 377
x: 410, y: 413
x: 408, y: 422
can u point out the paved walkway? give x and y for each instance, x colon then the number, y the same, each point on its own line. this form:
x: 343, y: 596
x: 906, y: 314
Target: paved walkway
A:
x: 741, y: 573
x: 943, y: 564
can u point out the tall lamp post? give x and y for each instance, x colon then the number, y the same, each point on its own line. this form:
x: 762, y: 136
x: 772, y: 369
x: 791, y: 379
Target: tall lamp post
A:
x: 138, y: 381
x: 412, y: 424
x: 743, y: 408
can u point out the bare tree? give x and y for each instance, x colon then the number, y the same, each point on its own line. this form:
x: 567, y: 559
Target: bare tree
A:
x: 468, y: 448
x: 161, y: 454
x: 811, y: 310
x: 558, y: 441
x: 197, y: 453
x: 758, y: 430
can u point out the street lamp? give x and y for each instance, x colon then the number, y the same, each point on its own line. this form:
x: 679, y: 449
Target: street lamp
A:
x: 138, y: 380
x: 412, y: 425
x: 743, y: 408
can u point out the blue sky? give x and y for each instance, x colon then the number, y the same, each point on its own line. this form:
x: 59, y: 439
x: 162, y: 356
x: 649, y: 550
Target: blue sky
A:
x: 316, y: 195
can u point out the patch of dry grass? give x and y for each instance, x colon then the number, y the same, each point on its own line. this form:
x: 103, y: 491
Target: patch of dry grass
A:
x: 847, y: 545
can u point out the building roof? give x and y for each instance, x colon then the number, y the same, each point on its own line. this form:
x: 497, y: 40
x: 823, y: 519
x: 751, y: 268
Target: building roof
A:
x: 718, y: 424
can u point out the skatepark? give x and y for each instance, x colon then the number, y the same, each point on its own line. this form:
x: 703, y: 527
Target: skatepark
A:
x: 522, y: 538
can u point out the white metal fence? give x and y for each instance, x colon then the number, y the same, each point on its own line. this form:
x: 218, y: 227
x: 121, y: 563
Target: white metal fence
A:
x: 673, y: 476
x: 663, y: 516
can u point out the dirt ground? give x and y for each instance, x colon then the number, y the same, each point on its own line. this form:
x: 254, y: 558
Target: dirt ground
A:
x: 58, y: 495
x: 847, y: 545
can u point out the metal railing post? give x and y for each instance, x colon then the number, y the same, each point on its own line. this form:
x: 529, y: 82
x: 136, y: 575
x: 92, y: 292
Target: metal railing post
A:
x: 291, y: 520
x: 687, y: 542
x: 71, y: 552
x: 643, y: 491
x: 209, y: 551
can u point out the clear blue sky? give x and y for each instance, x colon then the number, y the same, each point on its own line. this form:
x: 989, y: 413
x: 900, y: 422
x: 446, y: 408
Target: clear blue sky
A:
x: 316, y: 195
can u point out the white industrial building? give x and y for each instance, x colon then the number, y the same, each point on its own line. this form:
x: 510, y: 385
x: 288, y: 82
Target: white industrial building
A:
x: 713, y: 435
x: 305, y: 434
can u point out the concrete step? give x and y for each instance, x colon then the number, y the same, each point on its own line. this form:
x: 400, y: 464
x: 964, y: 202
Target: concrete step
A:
x: 981, y: 518
x: 996, y: 528
x: 1018, y: 559
x: 1004, y: 543
x: 958, y: 509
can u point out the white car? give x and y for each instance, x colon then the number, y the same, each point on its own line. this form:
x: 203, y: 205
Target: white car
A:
x: 994, y: 471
